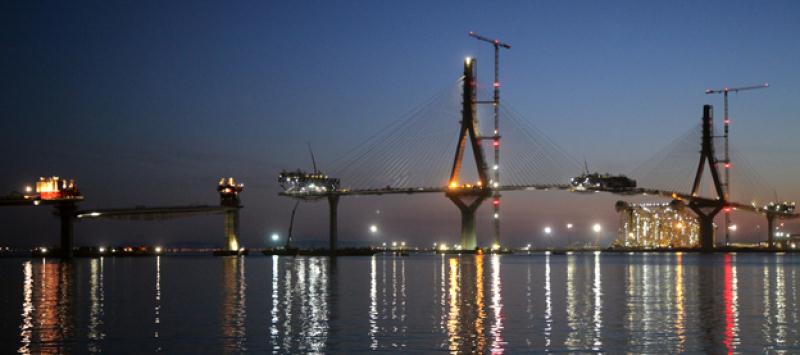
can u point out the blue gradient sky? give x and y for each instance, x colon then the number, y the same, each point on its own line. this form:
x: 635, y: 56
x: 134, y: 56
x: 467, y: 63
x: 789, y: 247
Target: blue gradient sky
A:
x: 150, y: 102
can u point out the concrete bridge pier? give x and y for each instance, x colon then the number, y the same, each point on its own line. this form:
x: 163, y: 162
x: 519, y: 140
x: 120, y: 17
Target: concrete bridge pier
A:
x: 770, y: 231
x: 469, y: 238
x: 232, y: 230
x: 707, y: 239
x: 333, y: 228
x: 66, y: 212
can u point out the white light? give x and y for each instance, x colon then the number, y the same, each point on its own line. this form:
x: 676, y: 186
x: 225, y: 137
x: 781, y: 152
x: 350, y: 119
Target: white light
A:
x: 548, y: 230
x: 495, y: 246
x: 496, y: 215
x: 569, y: 225
x: 241, y: 250
x: 467, y: 60
x: 43, y: 250
x: 95, y: 214
x: 158, y: 250
x: 101, y: 249
x: 495, y: 167
x: 394, y: 244
x: 28, y: 189
x: 275, y: 237
x: 457, y: 247
x: 36, y: 202
x: 732, y: 227
x: 496, y: 184
x: 597, y: 228
x: 373, y: 228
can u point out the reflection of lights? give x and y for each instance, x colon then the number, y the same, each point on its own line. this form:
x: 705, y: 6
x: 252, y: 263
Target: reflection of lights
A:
x: 597, y: 290
x: 679, y: 322
x: 497, y: 307
x: 548, y: 309
x: 453, y: 319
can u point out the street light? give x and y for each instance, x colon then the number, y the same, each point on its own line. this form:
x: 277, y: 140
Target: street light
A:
x: 275, y: 237
x: 548, y: 230
x: 597, y: 228
x: 373, y: 229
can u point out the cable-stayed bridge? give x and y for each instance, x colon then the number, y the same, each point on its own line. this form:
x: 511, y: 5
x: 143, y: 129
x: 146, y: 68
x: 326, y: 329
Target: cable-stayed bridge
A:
x: 421, y: 154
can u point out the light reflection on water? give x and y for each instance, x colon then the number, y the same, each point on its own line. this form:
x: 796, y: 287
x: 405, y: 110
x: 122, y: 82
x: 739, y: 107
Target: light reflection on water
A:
x: 662, y: 303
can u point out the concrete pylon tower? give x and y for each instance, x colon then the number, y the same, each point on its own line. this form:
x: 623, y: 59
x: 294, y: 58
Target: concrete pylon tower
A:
x: 707, y: 210
x: 229, y: 197
x: 468, y: 197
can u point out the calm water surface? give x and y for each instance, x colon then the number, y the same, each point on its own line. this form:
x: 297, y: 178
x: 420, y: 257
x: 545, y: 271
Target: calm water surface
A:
x: 654, y: 303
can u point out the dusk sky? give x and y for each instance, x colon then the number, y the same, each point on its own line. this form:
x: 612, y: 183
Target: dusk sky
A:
x: 151, y: 102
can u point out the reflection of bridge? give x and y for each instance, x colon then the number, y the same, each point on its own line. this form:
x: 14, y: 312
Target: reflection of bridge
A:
x: 468, y: 197
x: 67, y: 209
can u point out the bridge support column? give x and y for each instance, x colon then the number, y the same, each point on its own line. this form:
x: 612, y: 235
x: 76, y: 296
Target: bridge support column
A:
x: 333, y: 206
x: 469, y: 238
x: 232, y: 230
x: 66, y: 212
x: 706, y: 232
x: 770, y: 231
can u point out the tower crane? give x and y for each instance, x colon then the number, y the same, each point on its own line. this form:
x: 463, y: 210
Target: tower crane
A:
x: 727, y: 161
x: 496, y: 136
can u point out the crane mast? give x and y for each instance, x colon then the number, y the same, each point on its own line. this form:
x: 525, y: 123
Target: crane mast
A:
x: 496, y: 136
x: 727, y: 161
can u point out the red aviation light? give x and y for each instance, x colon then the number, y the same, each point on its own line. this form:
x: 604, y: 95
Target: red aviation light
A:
x: 496, y: 143
x: 496, y: 84
x: 727, y: 122
x: 727, y: 209
x: 727, y: 165
x: 496, y: 202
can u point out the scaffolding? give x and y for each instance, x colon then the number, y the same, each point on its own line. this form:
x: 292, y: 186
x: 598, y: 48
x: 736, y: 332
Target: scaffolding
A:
x: 657, y: 226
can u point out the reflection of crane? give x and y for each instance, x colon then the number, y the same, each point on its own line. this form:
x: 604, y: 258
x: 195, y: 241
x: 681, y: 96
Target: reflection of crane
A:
x: 727, y: 160
x: 496, y: 137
